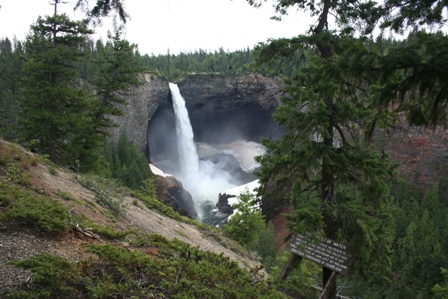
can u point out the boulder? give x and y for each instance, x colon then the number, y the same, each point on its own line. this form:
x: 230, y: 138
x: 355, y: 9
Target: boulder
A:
x: 171, y: 192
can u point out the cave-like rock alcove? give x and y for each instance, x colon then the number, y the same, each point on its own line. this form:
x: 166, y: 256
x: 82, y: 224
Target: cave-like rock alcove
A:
x: 226, y: 125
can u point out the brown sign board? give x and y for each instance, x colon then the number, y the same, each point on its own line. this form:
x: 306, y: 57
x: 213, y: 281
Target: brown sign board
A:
x: 325, y: 252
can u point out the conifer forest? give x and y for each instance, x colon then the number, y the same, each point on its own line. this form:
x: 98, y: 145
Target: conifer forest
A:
x: 361, y: 70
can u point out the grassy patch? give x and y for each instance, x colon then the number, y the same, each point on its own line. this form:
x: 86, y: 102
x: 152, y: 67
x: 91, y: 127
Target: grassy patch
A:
x: 44, y: 212
x: 15, y: 163
x: 65, y: 195
x: 108, y: 193
x: 181, y: 233
x: 107, y: 231
x: 11, y: 153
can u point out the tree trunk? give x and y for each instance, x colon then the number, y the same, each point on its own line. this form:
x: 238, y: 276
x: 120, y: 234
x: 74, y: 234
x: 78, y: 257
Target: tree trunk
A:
x: 328, y: 195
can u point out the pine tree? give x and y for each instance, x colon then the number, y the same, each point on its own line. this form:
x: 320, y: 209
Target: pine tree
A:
x: 54, y: 106
x: 127, y: 164
x: 413, y: 76
x: 103, y: 8
x: 114, y: 73
x: 11, y: 54
x: 338, y: 185
x: 247, y: 222
x: 421, y: 248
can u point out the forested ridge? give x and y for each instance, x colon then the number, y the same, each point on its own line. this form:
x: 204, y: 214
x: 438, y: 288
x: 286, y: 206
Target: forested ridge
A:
x: 343, y: 84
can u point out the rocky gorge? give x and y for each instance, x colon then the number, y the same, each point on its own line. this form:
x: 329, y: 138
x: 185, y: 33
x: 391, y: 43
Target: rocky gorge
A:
x: 223, y: 109
x: 236, y: 106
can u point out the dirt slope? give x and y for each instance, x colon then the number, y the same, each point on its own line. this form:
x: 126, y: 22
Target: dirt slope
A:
x: 18, y: 241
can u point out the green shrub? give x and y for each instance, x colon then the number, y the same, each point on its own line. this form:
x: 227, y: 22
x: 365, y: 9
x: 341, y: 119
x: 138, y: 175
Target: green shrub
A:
x: 16, y: 174
x: 176, y: 270
x: 52, y: 275
x: 45, y: 212
x: 64, y: 195
x: 300, y: 281
x: 109, y: 232
x: 265, y: 245
x: 52, y: 171
x: 14, y: 163
x: 14, y: 154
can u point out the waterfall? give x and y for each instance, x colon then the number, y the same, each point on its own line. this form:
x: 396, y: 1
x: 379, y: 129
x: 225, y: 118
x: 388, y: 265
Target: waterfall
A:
x: 188, y: 156
x: 204, y: 179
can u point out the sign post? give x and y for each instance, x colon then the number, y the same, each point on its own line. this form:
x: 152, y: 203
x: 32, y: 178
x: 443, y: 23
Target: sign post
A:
x: 292, y: 259
x: 325, y: 252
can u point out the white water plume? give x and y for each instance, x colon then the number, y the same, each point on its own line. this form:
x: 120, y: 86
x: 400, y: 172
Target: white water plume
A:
x: 214, y: 173
x: 188, y: 156
x: 203, y: 179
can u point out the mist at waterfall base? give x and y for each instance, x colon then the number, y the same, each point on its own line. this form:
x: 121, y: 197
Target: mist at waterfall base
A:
x: 203, y: 178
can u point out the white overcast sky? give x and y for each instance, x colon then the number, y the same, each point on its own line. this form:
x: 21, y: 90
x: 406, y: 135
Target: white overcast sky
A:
x: 177, y: 25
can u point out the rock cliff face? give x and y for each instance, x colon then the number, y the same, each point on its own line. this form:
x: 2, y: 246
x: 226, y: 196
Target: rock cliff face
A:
x: 239, y: 105
x: 422, y: 154
x: 143, y: 100
x: 221, y: 109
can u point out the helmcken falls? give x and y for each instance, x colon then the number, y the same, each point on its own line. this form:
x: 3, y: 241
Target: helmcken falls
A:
x: 205, y: 170
x: 188, y: 155
x: 203, y: 179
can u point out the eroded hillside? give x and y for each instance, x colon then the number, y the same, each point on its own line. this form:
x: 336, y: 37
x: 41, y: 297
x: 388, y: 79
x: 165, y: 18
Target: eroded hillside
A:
x: 25, y: 176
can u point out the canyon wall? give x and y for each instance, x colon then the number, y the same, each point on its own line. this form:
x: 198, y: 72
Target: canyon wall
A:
x: 222, y: 109
x: 142, y: 102
x: 240, y: 105
x: 225, y: 108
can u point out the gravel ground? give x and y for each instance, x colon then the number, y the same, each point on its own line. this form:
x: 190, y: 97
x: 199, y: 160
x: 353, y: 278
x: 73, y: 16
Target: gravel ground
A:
x: 19, y: 242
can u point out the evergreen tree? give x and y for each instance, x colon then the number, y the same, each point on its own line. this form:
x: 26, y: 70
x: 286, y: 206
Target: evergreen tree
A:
x: 127, y: 164
x: 441, y: 290
x: 337, y: 184
x: 11, y: 54
x: 400, y: 15
x: 266, y: 246
x: 413, y: 80
x: 247, y: 222
x: 54, y: 106
x: 103, y: 8
x: 419, y: 251
x: 114, y: 73
x: 347, y: 74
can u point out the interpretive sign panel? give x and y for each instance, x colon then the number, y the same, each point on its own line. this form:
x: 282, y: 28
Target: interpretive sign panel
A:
x: 325, y: 252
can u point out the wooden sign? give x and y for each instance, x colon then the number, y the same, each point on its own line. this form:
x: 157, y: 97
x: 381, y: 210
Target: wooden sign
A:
x: 325, y: 252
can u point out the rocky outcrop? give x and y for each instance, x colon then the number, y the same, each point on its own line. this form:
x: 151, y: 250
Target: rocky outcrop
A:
x: 143, y: 101
x: 170, y: 192
x: 227, y: 92
x: 223, y: 204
